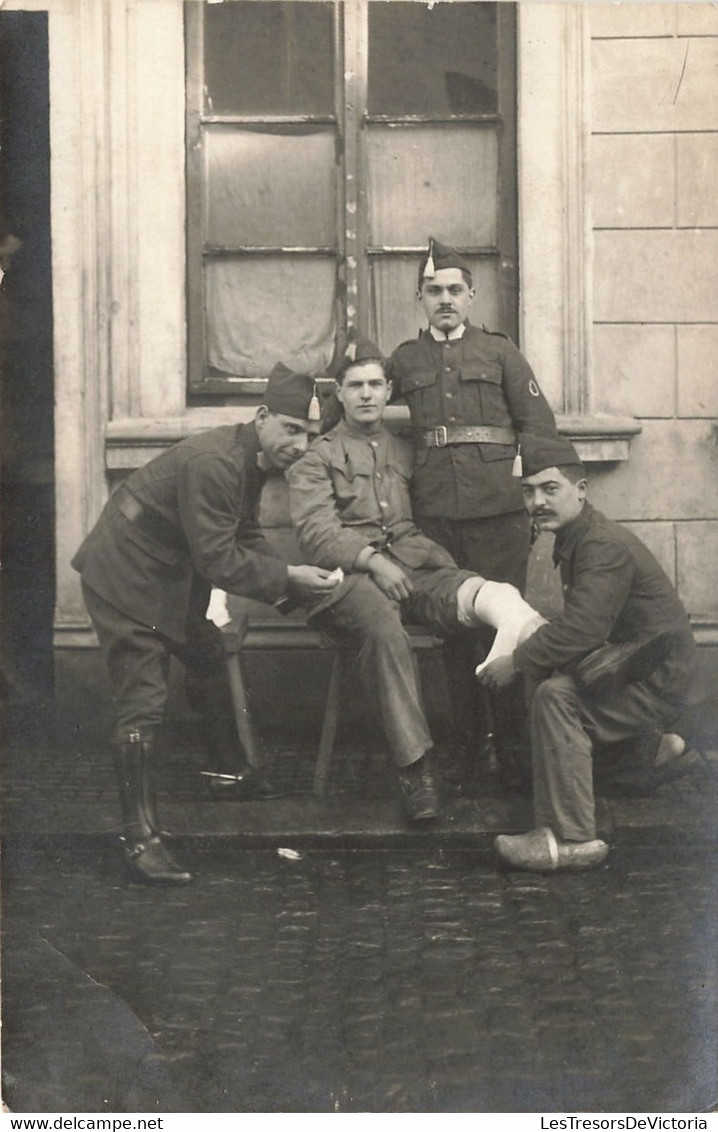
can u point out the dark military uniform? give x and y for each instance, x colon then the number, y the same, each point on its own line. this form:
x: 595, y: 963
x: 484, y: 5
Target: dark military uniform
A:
x: 474, y: 381
x: 614, y: 591
x: 184, y: 522
x: 181, y: 524
x: 463, y: 492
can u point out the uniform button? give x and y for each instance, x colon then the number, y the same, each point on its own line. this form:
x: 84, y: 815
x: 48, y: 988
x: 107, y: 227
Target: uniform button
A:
x: 374, y: 443
x: 447, y: 369
x: 378, y: 475
x: 382, y: 503
x: 449, y: 395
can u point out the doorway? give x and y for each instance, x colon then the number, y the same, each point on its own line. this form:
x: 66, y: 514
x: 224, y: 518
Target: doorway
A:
x: 27, y: 533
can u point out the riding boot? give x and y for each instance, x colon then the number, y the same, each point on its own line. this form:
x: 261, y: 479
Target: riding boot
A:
x: 146, y: 855
x: 228, y: 776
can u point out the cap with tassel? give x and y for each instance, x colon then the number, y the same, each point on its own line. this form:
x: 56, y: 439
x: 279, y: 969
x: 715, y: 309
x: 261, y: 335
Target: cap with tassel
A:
x: 537, y: 453
x: 359, y: 350
x: 292, y: 394
x: 439, y: 256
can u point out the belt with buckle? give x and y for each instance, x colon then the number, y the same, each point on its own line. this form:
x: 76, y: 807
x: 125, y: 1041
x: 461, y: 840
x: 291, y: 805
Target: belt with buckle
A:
x: 464, y: 434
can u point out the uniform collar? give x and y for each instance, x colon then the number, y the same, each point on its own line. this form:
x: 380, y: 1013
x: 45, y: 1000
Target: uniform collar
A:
x: 457, y: 332
x: 569, y: 535
x: 247, y: 433
x: 352, y: 430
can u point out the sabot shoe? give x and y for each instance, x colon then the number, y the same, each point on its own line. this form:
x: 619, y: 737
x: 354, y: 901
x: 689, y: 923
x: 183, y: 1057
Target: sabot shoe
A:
x: 539, y: 850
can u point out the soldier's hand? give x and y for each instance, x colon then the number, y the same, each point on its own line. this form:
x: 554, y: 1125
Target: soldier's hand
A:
x: 498, y: 673
x: 389, y: 577
x: 311, y: 581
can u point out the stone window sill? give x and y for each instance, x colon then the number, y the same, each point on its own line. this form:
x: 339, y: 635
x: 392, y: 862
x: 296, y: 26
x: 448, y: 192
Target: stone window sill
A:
x: 133, y: 441
x: 599, y: 438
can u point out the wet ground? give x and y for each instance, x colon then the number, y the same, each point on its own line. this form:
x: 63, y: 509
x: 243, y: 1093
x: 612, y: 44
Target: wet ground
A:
x: 374, y: 969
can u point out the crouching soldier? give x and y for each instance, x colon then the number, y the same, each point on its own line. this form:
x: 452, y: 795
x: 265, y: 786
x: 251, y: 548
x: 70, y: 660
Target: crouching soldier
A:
x: 616, y: 663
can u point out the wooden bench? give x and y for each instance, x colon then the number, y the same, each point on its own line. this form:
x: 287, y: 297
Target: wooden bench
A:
x: 270, y: 630
x: 279, y: 634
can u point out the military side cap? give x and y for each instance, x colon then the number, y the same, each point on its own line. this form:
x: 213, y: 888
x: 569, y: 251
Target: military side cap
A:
x: 359, y: 350
x: 293, y: 394
x: 437, y: 257
x: 536, y: 453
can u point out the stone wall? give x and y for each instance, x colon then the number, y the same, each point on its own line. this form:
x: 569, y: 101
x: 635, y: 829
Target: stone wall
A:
x: 653, y: 175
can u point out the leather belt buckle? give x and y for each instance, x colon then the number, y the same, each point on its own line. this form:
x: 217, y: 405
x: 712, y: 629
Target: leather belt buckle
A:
x: 441, y: 436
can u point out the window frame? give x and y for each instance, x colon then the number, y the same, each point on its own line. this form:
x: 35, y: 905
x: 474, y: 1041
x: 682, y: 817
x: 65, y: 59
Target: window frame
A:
x: 350, y: 120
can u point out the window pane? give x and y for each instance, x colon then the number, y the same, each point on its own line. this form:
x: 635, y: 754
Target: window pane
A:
x: 270, y: 189
x: 448, y: 181
x: 269, y: 57
x: 432, y: 60
x: 396, y: 313
x: 261, y: 311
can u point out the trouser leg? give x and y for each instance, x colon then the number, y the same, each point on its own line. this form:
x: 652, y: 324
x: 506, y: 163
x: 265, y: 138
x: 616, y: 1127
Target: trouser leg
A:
x: 562, y: 766
x: 372, y: 622
x: 138, y: 663
x: 497, y: 548
x: 565, y: 728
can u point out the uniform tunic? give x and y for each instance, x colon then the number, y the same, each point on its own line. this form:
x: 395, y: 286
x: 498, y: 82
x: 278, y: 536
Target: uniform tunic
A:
x: 478, y: 379
x: 349, y: 496
x: 614, y: 591
x: 179, y: 525
x: 464, y: 495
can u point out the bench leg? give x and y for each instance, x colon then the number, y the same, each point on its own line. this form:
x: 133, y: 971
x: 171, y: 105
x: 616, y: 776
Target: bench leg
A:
x: 243, y: 719
x: 329, y: 726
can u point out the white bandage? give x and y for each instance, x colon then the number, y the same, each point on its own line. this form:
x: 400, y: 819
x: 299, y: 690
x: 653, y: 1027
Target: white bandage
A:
x: 500, y: 605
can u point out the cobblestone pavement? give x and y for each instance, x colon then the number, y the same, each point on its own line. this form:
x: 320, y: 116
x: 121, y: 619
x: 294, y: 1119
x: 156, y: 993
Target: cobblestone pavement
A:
x: 359, y: 981
x: 405, y: 974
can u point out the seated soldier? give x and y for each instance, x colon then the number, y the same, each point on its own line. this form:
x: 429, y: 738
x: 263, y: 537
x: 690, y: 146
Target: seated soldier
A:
x: 615, y: 594
x: 349, y: 500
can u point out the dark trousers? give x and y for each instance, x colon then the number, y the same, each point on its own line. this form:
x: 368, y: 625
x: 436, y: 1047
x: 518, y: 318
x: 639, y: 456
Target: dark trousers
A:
x: 138, y: 659
x: 497, y: 548
x: 373, y: 623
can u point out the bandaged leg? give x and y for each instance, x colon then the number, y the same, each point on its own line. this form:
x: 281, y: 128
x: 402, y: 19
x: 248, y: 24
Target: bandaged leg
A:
x: 500, y: 605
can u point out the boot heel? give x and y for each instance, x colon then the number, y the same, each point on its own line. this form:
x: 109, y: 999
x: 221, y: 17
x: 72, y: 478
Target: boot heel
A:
x: 150, y: 862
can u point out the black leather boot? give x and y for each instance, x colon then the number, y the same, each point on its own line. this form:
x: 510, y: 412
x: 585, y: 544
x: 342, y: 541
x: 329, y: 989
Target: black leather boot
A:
x: 146, y: 855
x: 229, y: 776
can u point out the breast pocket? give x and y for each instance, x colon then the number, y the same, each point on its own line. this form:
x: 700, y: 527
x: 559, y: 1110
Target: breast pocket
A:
x: 418, y: 379
x: 351, y: 480
x: 484, y: 381
x: 421, y: 389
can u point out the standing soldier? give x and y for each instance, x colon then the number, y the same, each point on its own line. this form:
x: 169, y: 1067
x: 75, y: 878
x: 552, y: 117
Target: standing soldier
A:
x: 469, y: 392
x: 183, y: 523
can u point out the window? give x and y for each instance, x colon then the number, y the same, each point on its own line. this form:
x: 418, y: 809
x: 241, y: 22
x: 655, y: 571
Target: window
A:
x: 326, y: 142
